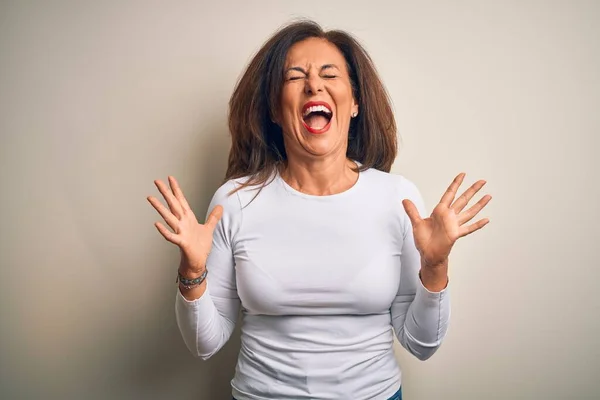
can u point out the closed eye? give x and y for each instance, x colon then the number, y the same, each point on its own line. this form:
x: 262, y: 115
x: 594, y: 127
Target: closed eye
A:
x: 329, y: 76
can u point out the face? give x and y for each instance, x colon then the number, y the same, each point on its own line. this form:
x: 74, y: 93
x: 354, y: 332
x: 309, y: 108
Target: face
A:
x: 317, y: 101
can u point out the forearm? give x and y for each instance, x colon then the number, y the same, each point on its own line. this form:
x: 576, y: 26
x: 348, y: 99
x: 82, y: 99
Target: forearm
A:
x: 193, y: 293
x: 426, y: 322
x: 201, y: 326
x: 205, y: 321
x: 421, y: 317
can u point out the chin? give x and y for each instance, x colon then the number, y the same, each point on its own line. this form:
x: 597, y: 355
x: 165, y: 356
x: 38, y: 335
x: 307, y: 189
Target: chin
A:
x: 321, y: 146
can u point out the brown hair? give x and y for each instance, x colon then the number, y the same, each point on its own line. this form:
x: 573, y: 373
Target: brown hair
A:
x: 257, y: 142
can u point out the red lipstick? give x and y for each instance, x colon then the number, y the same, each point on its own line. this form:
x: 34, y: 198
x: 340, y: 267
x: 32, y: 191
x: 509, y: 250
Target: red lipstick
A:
x: 317, y: 103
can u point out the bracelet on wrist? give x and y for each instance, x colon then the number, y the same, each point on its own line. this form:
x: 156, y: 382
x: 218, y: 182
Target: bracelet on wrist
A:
x: 188, y: 284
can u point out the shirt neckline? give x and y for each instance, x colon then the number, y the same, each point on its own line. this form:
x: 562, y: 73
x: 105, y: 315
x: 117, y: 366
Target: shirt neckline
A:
x: 345, y: 193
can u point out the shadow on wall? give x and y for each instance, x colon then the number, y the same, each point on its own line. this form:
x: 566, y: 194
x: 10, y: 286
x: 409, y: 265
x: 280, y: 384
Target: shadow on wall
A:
x: 165, y: 368
x: 168, y: 370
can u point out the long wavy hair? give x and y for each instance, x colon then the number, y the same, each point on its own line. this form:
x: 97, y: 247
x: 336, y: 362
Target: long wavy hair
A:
x: 257, y: 147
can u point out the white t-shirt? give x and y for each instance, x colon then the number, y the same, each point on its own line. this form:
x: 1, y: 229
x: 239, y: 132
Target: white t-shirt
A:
x: 321, y: 281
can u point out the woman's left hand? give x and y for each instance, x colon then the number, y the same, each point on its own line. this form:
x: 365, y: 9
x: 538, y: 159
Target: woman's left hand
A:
x: 436, y: 234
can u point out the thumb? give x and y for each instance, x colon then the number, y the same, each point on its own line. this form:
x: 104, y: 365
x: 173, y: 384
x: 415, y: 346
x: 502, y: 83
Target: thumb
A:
x: 214, y: 217
x: 411, y: 211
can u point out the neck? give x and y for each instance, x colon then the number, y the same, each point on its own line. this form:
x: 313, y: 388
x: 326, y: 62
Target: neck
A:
x: 320, y: 178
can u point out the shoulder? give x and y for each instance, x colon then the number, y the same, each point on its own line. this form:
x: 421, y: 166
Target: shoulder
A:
x: 392, y: 183
x: 234, y: 195
x: 393, y: 187
x: 228, y: 195
x: 224, y: 195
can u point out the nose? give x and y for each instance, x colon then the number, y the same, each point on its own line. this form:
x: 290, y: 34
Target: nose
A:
x: 313, y: 85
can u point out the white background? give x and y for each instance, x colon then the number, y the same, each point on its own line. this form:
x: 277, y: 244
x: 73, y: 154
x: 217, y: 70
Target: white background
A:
x: 99, y: 98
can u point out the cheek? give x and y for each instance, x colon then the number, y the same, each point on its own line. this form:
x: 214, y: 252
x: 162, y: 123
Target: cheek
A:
x: 288, y: 105
x: 343, y: 98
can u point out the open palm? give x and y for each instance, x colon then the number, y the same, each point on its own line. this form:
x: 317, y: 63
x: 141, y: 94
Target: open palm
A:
x: 193, y: 238
x: 436, y: 234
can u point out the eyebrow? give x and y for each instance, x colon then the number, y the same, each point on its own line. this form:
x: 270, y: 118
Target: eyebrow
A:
x: 300, y: 69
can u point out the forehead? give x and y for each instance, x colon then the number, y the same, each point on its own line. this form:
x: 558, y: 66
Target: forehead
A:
x: 315, y: 51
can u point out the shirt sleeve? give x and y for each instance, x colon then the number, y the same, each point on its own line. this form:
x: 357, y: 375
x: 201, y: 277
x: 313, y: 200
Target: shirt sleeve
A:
x: 419, y: 317
x: 207, y: 323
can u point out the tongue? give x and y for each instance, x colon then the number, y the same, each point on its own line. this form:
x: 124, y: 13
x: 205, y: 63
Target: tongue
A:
x: 316, y: 121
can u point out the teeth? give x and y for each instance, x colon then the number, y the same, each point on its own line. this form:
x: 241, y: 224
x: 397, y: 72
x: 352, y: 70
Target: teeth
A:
x: 315, y: 109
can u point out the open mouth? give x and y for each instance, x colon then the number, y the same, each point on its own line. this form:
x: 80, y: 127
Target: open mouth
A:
x: 316, y: 116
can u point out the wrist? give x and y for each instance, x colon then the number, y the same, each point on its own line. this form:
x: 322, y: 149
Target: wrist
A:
x: 434, y: 277
x: 188, y: 283
x: 192, y: 268
x: 190, y: 273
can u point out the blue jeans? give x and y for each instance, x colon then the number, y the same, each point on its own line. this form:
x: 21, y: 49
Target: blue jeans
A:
x: 396, y: 396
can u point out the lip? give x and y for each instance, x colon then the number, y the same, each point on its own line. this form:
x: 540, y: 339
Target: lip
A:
x: 316, y: 103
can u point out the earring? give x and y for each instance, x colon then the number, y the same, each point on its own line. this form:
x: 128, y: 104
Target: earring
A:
x: 354, y: 114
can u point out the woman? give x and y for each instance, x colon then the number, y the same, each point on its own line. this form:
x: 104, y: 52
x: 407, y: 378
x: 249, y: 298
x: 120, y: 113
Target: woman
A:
x: 308, y: 234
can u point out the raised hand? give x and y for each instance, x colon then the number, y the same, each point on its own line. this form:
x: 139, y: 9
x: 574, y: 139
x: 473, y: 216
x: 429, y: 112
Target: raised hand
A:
x: 436, y: 234
x: 194, y: 239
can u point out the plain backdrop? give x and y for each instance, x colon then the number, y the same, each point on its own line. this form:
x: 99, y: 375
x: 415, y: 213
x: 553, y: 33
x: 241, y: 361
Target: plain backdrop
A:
x: 99, y: 98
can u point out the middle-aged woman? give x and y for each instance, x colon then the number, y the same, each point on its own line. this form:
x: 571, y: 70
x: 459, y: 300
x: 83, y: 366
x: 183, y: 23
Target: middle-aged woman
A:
x: 324, y: 250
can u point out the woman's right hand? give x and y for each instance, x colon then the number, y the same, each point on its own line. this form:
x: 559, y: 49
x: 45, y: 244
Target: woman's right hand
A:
x: 193, y: 239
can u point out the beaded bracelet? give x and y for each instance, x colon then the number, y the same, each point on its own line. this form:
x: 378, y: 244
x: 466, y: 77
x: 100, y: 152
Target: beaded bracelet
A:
x: 191, y: 283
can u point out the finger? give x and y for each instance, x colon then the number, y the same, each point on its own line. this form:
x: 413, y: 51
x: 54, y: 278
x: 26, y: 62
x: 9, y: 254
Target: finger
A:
x: 164, y: 212
x: 214, y: 217
x: 411, y: 211
x: 173, y: 203
x: 467, y: 230
x: 448, y: 196
x: 466, y: 216
x: 179, y: 194
x: 464, y: 199
x: 167, y: 234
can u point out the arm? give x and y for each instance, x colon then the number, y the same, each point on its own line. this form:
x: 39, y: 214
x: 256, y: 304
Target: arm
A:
x: 206, y: 315
x: 419, y: 316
